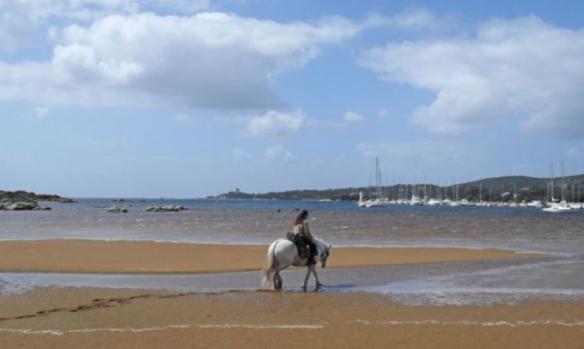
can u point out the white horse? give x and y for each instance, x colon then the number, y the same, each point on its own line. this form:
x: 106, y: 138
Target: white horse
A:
x: 283, y: 253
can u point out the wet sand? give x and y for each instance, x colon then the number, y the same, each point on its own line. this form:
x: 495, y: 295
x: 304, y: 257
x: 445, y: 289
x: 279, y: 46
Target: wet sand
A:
x: 87, y: 256
x: 105, y: 318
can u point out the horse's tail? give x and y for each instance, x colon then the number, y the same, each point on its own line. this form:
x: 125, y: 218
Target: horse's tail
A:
x: 270, y: 267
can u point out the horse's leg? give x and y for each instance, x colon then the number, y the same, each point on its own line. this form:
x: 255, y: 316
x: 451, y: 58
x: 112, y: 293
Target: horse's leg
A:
x: 308, y: 271
x: 277, y: 281
x: 318, y: 284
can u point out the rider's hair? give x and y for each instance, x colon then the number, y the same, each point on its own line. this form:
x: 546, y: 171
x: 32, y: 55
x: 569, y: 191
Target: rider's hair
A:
x: 301, y: 217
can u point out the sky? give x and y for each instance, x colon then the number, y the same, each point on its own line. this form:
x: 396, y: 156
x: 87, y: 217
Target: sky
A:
x: 163, y: 98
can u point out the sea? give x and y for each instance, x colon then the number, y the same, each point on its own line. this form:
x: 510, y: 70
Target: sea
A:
x: 557, y: 275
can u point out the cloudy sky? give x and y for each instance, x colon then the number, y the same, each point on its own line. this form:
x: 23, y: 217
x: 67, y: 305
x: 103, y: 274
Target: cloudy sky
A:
x: 178, y: 98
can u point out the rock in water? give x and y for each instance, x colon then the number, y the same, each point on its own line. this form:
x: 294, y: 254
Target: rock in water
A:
x: 166, y: 208
x: 116, y: 209
x: 66, y: 201
x: 21, y: 206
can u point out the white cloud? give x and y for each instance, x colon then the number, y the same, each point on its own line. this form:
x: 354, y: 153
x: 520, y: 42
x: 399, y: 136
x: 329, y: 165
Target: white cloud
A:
x: 240, y: 155
x: 353, y: 117
x: 382, y: 114
x: 275, y: 124
x: 20, y: 18
x: 41, y: 111
x: 278, y: 153
x: 208, y: 60
x: 37, y: 11
x: 420, y: 19
x: 510, y: 68
x: 417, y: 21
x: 575, y: 153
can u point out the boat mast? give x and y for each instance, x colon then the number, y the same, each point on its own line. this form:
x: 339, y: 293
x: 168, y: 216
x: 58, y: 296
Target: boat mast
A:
x: 563, y: 183
x: 378, y: 180
x: 552, y: 199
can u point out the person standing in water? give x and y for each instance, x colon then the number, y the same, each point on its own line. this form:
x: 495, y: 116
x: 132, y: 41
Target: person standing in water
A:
x: 301, y: 229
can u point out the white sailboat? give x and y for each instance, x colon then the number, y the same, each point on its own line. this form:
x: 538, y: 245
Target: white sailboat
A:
x: 557, y: 207
x: 361, y: 202
x: 379, y: 201
x: 553, y: 206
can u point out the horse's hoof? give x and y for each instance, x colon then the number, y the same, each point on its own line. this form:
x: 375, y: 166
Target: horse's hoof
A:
x: 303, y: 288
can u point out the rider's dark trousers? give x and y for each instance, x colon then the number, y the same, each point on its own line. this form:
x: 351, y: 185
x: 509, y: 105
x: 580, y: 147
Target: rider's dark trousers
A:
x: 312, y: 248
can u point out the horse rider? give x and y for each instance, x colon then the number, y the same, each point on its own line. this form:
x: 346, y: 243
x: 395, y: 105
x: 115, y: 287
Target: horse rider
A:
x: 301, y: 230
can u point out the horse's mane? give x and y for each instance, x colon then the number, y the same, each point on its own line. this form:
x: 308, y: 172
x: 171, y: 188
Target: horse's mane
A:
x: 321, y: 244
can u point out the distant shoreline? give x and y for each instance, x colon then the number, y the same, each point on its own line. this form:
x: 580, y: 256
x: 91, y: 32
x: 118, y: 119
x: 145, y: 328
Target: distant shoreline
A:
x: 508, y: 188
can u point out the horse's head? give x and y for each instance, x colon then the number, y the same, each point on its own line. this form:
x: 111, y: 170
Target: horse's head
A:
x: 324, y: 251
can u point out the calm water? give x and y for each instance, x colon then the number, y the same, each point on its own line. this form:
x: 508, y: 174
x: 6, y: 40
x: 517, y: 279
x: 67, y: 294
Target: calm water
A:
x: 340, y: 223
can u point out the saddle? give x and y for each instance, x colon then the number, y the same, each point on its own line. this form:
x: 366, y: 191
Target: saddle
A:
x: 303, y: 250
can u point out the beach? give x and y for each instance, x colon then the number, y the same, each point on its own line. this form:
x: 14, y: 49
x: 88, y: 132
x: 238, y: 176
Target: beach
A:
x: 104, y: 318
x: 79, y: 277
x: 87, y: 256
x: 74, y: 317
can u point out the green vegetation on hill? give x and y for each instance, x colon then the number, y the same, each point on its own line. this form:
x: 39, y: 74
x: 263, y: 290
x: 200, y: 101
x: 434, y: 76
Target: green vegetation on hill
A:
x: 21, y: 195
x: 510, y: 188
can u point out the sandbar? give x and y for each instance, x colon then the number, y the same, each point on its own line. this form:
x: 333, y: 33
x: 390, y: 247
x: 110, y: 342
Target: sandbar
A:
x: 91, y: 256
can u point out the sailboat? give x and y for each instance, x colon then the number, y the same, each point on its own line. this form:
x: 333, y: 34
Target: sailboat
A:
x: 379, y: 201
x: 553, y: 206
x: 361, y: 202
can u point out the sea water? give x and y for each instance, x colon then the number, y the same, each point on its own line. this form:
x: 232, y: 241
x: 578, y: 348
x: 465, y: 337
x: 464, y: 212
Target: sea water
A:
x: 559, y: 275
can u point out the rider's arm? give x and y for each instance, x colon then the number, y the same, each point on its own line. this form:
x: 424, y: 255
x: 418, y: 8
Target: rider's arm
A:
x: 307, y: 231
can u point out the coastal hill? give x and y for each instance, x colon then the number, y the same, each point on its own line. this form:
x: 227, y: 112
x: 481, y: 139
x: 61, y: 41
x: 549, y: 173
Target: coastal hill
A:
x: 509, y: 188
x: 25, y: 196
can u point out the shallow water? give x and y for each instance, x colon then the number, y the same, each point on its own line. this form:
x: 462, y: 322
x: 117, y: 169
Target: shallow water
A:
x: 222, y: 221
x: 341, y: 223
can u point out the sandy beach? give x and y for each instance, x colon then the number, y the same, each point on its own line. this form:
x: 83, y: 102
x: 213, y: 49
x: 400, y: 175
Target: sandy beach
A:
x: 102, y: 318
x: 66, y: 317
x: 86, y: 256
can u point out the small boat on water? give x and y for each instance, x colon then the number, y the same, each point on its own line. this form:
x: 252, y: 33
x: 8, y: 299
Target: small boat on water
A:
x: 558, y: 207
x: 433, y: 202
x: 416, y: 200
x: 535, y: 204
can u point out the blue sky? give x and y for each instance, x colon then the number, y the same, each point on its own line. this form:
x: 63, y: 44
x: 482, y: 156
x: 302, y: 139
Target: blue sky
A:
x: 111, y: 98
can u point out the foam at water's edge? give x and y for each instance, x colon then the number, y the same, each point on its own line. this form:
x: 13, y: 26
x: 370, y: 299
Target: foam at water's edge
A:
x: 500, y: 323
x: 163, y: 328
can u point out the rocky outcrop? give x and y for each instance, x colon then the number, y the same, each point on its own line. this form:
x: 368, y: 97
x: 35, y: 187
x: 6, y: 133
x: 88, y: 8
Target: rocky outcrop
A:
x: 167, y: 208
x: 116, y: 209
x: 21, y: 206
x: 24, y: 196
x: 63, y: 200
